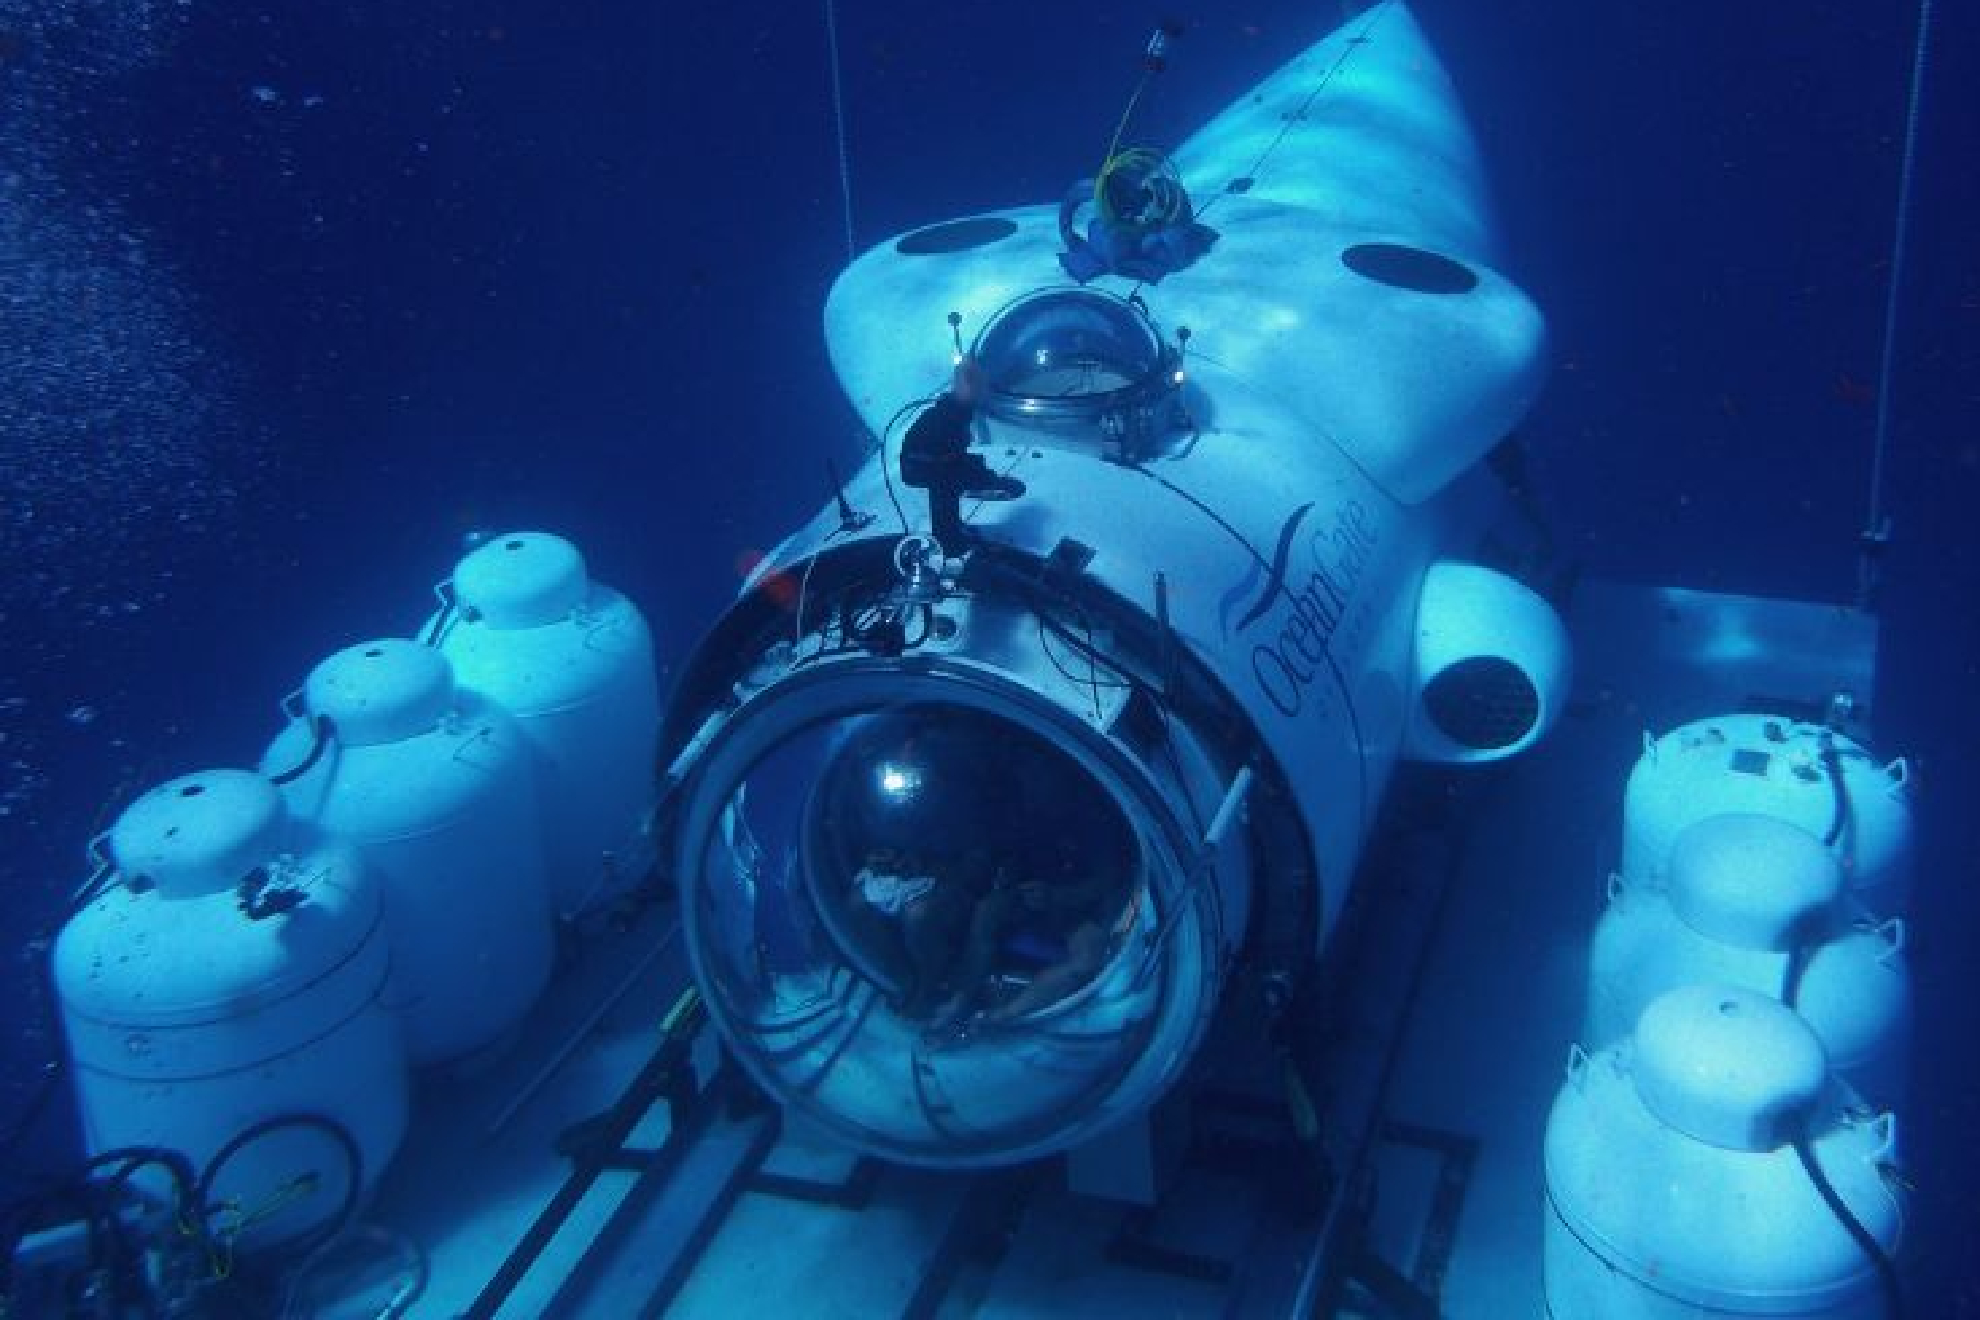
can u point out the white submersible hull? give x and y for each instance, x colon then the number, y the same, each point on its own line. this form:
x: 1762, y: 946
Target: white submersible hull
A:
x: 1168, y: 684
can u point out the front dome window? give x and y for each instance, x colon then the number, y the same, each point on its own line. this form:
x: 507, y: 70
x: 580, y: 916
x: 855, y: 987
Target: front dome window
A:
x: 940, y: 918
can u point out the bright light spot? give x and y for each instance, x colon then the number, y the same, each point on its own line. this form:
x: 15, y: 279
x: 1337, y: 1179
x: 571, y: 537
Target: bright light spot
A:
x: 899, y: 781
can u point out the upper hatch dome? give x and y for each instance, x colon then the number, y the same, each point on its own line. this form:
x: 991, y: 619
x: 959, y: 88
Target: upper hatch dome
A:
x: 1082, y: 365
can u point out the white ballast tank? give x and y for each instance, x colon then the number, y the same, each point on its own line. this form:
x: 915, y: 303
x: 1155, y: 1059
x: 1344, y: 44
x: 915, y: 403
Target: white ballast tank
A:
x: 572, y: 660
x: 226, y: 983
x: 1752, y: 901
x: 432, y: 784
x: 1674, y: 1187
x: 1777, y: 767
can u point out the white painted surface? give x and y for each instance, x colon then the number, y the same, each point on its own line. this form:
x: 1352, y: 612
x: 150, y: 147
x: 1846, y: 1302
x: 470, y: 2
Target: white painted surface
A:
x: 572, y: 661
x: 432, y: 785
x: 189, y: 1020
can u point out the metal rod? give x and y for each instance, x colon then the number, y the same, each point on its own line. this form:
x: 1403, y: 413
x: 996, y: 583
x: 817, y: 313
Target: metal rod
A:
x: 1227, y: 810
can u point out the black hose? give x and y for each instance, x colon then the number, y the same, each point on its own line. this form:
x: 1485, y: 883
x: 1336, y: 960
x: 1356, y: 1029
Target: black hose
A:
x: 322, y: 729
x: 1797, y: 967
x: 338, y: 1134
x: 133, y: 1158
x: 1887, y: 1275
x: 1838, y: 789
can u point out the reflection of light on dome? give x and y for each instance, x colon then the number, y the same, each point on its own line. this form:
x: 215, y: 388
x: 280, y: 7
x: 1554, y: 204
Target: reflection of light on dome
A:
x: 899, y: 781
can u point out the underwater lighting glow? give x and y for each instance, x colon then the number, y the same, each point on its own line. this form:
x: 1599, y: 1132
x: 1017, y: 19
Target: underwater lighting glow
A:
x: 899, y: 782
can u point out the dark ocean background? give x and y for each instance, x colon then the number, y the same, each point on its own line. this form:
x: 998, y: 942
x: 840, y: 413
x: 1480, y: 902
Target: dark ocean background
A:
x: 296, y: 297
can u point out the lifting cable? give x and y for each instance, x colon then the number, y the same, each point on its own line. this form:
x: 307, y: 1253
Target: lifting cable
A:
x: 1876, y: 533
x: 839, y: 126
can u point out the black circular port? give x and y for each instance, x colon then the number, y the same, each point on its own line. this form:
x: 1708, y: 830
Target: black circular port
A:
x: 1402, y: 267
x: 956, y: 236
x: 1483, y: 703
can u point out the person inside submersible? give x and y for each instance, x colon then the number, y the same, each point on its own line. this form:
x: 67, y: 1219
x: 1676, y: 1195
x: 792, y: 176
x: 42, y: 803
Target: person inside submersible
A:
x: 935, y: 457
x: 1057, y: 925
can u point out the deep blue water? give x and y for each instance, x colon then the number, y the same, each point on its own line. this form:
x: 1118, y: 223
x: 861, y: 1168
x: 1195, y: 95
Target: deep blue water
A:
x: 361, y: 278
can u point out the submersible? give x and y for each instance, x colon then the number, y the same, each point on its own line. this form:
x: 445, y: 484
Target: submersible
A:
x: 1166, y: 686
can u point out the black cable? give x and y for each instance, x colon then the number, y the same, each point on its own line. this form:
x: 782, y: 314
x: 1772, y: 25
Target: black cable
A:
x: 322, y: 730
x: 1797, y: 967
x: 849, y: 613
x: 133, y: 1158
x: 1887, y: 1275
x: 338, y: 1134
x: 1036, y: 597
x: 1832, y: 764
x: 1090, y: 680
x: 886, y: 468
x: 1092, y: 667
x: 1126, y: 679
x: 804, y: 590
x: 1129, y: 680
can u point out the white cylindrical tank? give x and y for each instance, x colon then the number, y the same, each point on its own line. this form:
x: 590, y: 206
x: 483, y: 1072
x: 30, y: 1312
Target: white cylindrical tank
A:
x: 1674, y: 1186
x: 572, y: 660
x: 231, y: 978
x: 432, y: 785
x: 1752, y: 901
x: 1774, y: 766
